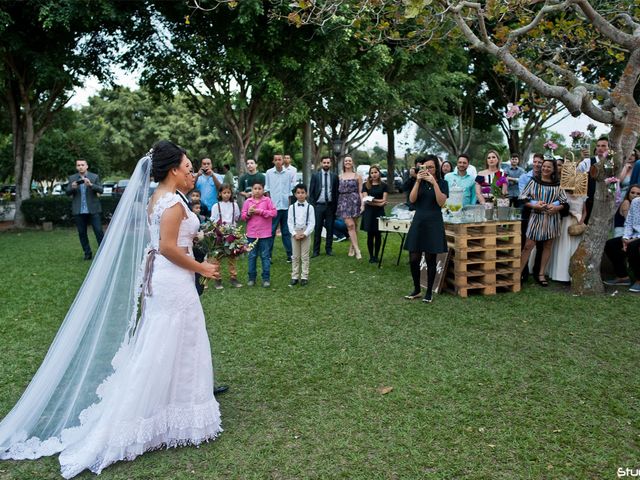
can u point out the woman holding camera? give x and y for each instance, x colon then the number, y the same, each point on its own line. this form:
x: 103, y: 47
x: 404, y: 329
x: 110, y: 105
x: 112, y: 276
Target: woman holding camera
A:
x: 426, y: 234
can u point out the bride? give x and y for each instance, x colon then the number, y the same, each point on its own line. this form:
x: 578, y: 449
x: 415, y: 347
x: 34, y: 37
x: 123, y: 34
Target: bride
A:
x: 116, y: 384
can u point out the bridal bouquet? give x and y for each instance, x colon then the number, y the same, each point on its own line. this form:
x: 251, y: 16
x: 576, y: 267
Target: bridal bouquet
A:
x: 220, y: 240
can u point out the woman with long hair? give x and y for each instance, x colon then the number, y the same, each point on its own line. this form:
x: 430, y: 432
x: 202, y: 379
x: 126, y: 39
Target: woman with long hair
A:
x: 426, y: 234
x: 374, y: 197
x: 349, y: 203
x: 485, y: 177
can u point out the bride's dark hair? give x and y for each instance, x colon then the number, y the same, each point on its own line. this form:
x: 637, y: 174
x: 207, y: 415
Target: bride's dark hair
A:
x: 166, y: 155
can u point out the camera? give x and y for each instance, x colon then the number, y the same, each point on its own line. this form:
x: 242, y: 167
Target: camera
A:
x: 80, y: 181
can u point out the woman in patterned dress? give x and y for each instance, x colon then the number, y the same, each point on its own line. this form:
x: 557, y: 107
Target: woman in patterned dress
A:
x: 349, y: 203
x: 546, y: 199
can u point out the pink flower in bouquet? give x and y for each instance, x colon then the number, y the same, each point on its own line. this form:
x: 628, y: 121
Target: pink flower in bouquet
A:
x: 230, y: 238
x: 550, y: 144
x: 576, y: 134
x: 513, y: 110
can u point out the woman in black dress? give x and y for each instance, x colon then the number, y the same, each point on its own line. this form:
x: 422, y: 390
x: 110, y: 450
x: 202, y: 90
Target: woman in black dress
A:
x: 376, y: 188
x: 426, y: 234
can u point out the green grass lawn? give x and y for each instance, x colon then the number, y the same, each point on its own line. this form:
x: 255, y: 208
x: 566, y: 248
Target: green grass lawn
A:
x: 537, y: 384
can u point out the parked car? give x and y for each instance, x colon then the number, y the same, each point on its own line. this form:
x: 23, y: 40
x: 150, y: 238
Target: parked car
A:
x: 107, y: 188
x: 10, y: 189
x: 397, y: 180
x: 118, y: 190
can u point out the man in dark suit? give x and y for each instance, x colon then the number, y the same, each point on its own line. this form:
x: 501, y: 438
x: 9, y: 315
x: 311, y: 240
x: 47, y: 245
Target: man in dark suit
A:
x: 323, y: 195
x: 84, y: 187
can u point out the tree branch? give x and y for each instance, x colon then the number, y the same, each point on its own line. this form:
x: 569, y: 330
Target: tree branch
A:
x: 605, y: 27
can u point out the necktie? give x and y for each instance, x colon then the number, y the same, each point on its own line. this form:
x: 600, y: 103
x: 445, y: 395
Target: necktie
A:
x: 326, y: 187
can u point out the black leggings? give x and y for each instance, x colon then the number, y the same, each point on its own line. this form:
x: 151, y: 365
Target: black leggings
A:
x: 414, y: 264
x: 374, y: 240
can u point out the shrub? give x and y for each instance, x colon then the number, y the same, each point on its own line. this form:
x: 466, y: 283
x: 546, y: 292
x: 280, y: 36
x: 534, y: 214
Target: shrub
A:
x: 57, y: 210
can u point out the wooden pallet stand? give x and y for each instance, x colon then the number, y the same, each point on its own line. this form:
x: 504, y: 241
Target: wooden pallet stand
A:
x: 484, y: 257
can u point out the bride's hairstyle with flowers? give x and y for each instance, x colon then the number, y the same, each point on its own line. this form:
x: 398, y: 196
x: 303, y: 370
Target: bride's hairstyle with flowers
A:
x: 165, y: 156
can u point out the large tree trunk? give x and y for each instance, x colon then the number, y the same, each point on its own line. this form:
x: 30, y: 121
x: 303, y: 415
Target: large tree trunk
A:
x: 24, y: 143
x: 391, y: 159
x: 585, y: 262
x: 307, y: 153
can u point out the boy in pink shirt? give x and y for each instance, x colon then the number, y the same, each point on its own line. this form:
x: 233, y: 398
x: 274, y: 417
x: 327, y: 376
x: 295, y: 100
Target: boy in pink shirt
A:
x: 258, y: 211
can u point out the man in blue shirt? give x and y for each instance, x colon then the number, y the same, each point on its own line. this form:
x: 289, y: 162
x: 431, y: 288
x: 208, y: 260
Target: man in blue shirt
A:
x: 208, y: 184
x: 460, y: 178
x: 514, y: 172
x: 278, y: 184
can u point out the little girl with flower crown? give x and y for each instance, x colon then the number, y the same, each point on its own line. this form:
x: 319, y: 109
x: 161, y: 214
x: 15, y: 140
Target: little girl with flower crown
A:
x: 225, y: 211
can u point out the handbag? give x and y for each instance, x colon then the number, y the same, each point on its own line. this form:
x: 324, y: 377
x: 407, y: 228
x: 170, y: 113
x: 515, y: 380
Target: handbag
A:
x: 577, y: 229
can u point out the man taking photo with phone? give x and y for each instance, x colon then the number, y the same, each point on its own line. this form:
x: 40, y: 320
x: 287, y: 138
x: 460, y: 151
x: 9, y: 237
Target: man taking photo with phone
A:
x: 208, y: 184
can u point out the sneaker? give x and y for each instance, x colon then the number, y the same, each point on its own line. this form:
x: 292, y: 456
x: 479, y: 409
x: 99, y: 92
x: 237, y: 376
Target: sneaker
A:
x: 373, y: 260
x: 617, y: 281
x: 266, y: 284
x: 234, y: 283
x: 288, y: 259
x: 339, y: 239
x: 304, y: 282
x: 251, y: 283
x: 218, y: 284
x: 428, y: 297
x: 635, y: 288
x: 293, y: 282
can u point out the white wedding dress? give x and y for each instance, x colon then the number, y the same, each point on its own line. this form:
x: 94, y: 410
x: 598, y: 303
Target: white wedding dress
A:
x: 161, y: 393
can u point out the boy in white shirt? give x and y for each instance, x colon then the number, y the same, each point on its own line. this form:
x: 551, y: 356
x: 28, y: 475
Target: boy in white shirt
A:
x: 301, y: 221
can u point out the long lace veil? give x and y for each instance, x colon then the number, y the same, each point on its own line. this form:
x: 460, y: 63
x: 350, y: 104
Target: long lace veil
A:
x: 100, y: 320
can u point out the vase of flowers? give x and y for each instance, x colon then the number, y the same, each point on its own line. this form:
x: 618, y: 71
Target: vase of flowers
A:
x: 549, y: 147
x: 577, y: 138
x: 513, y: 116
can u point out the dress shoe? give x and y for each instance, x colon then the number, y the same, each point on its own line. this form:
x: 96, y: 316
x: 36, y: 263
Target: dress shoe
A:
x: 329, y: 253
x: 293, y: 282
x: 88, y: 256
x: 304, y: 282
x: 220, y: 389
x: 373, y: 260
x: 315, y: 254
x: 618, y: 281
x: 413, y: 295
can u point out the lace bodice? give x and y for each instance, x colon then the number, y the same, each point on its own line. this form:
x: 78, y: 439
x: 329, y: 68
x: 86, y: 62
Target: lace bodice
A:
x: 188, y: 227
